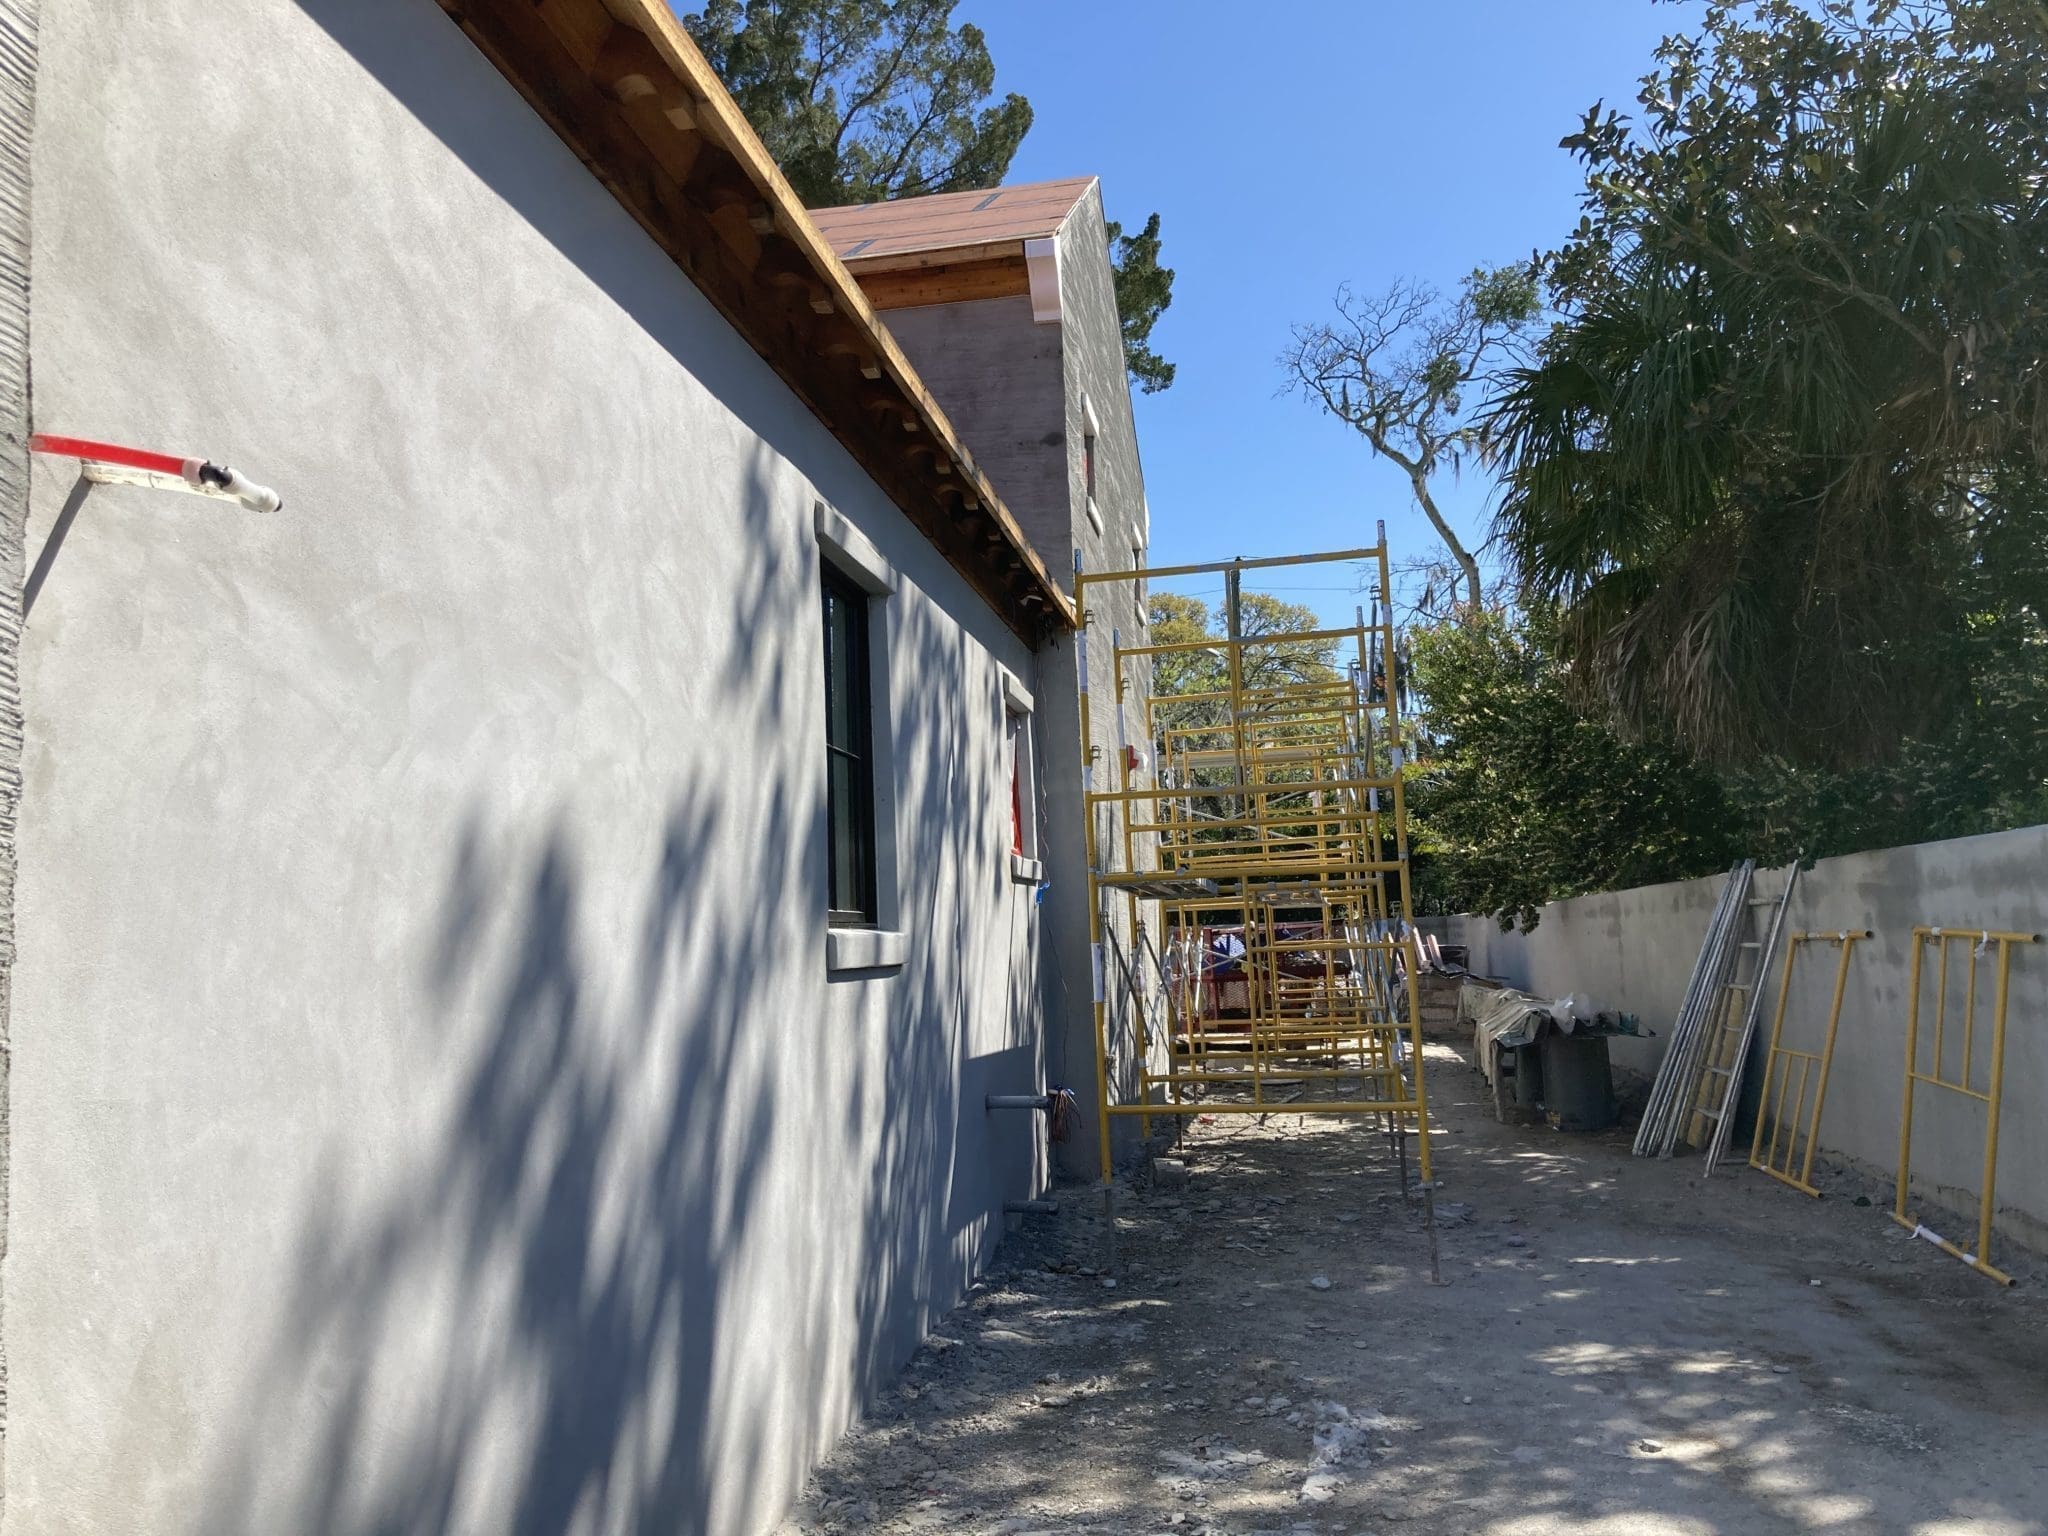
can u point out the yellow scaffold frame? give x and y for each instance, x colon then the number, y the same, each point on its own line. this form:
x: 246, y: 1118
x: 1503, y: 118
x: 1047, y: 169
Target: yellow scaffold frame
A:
x: 1278, y: 816
x: 1812, y: 1068
x: 1940, y: 939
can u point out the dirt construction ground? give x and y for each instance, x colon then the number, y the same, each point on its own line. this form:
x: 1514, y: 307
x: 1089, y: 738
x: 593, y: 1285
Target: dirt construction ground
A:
x: 1619, y: 1347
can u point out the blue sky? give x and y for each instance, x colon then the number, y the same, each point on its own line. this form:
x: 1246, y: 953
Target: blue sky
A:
x: 1329, y: 142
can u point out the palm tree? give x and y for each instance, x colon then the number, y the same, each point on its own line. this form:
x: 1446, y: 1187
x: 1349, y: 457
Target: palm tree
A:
x: 1798, y: 379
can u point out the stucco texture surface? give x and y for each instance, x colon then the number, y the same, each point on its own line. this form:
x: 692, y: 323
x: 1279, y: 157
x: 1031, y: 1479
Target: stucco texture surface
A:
x: 432, y: 1109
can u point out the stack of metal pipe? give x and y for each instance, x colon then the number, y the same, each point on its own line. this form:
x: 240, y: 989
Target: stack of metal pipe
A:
x: 1692, y: 1033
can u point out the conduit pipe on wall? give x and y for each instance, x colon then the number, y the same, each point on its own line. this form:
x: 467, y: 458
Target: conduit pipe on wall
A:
x: 112, y: 464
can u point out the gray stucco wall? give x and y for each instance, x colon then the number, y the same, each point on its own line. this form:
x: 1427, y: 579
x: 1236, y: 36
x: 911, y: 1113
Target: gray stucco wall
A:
x: 17, y: 112
x: 432, y: 1111
x: 1634, y: 950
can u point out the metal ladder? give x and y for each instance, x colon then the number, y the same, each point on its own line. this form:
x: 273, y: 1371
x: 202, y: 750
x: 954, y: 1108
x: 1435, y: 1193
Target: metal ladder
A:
x: 1735, y: 1012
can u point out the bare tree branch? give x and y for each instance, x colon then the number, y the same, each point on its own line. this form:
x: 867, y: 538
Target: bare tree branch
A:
x: 1394, y: 366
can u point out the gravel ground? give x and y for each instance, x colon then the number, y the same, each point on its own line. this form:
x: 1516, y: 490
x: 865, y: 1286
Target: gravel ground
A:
x: 1619, y: 1347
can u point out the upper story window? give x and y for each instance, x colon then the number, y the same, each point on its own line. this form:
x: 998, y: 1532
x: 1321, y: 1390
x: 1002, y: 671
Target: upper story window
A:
x: 849, y: 753
x: 1090, y: 431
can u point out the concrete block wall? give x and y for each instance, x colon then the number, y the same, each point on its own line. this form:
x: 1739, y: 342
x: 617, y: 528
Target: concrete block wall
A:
x: 432, y: 1110
x: 1634, y: 951
x: 1093, y: 359
x: 997, y: 374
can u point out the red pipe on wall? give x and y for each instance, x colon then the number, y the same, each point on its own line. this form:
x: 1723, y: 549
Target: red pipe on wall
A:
x: 111, y: 453
x: 200, y: 476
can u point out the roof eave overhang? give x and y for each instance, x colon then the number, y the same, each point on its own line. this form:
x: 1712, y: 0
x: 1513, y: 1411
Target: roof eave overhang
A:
x: 625, y: 88
x: 934, y: 256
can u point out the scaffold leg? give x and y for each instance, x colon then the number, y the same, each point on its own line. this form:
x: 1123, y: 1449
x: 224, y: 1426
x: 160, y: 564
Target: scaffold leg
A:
x: 1436, y: 1274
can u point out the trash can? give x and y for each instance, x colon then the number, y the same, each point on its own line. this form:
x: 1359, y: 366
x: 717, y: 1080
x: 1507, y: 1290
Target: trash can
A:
x: 1578, y: 1083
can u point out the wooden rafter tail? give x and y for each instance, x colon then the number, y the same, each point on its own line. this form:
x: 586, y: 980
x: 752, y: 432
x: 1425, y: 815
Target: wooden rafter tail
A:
x: 623, y: 85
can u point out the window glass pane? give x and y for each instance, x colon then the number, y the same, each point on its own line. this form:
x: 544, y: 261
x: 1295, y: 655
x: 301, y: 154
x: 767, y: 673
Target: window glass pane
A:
x: 843, y: 819
x: 849, y: 791
x: 838, y: 671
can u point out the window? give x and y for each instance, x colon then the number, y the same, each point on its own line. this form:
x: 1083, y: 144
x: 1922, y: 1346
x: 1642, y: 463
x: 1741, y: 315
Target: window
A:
x: 1020, y: 765
x: 1020, y: 748
x: 849, y: 753
x: 1090, y: 430
x: 1023, y: 784
x: 861, y: 899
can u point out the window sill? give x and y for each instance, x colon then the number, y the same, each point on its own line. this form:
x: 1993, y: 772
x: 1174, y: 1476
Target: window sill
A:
x: 1026, y: 871
x: 1094, y: 515
x: 865, y: 949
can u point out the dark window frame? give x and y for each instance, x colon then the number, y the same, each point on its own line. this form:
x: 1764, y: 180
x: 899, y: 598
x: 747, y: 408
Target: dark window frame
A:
x: 853, y: 674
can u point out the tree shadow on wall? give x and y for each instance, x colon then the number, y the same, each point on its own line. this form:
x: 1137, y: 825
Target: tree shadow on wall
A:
x: 569, y: 1336
x: 548, y: 1317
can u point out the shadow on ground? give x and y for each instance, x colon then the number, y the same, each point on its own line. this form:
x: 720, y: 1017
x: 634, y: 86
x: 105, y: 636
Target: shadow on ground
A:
x: 1620, y: 1348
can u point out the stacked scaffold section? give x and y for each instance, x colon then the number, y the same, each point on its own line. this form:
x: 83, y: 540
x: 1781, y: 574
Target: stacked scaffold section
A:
x: 1279, y: 975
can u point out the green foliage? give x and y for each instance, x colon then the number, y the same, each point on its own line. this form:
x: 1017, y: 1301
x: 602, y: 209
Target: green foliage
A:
x: 1178, y: 620
x: 1504, y: 296
x: 862, y: 100
x: 1144, y: 289
x: 1984, y: 770
x: 1795, y: 400
x: 1517, y: 799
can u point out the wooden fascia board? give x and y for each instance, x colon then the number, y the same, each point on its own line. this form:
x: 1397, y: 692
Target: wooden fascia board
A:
x: 550, y: 79
x: 962, y: 283
x: 933, y: 256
